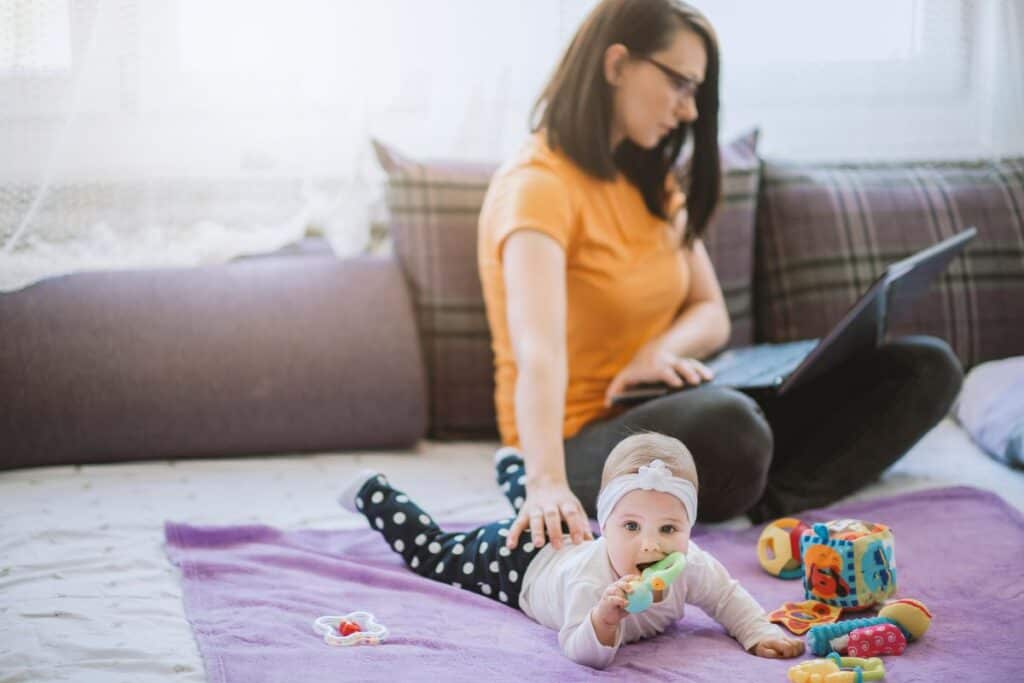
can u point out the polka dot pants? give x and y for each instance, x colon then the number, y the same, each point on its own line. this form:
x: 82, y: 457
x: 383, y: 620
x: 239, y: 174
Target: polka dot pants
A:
x: 476, y: 560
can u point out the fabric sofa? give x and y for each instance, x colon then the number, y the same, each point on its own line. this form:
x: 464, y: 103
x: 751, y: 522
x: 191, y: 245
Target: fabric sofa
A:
x: 300, y: 351
x: 794, y: 245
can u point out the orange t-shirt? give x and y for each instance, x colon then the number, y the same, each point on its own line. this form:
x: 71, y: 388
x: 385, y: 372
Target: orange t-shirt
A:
x: 626, y: 278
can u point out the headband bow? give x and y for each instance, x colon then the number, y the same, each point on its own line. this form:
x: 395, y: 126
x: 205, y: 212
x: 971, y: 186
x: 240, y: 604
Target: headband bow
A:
x: 655, y: 476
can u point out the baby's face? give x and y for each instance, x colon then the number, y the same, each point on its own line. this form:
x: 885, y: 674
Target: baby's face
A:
x: 644, y: 527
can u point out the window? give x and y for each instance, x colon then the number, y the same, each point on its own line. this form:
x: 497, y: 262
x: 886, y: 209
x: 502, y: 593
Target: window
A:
x: 866, y: 31
x: 866, y: 80
x: 34, y: 37
x: 906, y: 51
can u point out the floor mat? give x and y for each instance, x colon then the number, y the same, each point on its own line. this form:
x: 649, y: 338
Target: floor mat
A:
x: 253, y: 592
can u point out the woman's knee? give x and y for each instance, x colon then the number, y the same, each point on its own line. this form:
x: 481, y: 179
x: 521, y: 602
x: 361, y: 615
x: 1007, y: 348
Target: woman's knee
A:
x: 731, y: 443
x: 934, y: 370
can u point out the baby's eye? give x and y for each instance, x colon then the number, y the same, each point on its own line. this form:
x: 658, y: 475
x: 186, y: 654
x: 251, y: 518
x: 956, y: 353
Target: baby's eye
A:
x: 668, y: 529
x: 632, y: 526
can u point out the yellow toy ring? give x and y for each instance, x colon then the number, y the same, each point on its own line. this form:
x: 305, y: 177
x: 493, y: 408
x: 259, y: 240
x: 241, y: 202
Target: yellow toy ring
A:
x: 836, y: 669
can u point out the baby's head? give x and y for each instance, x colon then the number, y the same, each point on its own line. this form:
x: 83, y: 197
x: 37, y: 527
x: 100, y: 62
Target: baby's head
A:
x: 643, y: 525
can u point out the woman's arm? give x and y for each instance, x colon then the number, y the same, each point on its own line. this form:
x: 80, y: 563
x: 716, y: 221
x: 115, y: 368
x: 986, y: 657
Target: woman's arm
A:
x: 701, y: 328
x: 534, y: 273
x: 703, y: 324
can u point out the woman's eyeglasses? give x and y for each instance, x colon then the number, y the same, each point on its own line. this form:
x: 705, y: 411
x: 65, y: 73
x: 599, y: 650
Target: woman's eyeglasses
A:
x: 685, y: 87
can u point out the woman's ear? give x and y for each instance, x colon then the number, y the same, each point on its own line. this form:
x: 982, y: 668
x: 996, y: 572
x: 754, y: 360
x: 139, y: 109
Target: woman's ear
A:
x: 615, y: 58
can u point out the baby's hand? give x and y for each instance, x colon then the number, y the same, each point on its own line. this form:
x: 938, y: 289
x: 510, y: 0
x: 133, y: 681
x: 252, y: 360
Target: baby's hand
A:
x: 784, y: 647
x: 612, y: 607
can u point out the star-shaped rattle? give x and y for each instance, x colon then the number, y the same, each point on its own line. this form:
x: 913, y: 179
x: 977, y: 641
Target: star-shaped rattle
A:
x: 355, y: 628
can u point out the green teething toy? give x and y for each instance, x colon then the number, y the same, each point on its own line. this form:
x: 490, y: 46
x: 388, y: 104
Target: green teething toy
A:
x: 655, y: 578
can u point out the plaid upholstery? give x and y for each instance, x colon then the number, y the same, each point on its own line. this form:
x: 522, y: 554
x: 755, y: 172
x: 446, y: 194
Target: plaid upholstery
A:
x: 434, y: 206
x: 730, y: 237
x: 824, y: 232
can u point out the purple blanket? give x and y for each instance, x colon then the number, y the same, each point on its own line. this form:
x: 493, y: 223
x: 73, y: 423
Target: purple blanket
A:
x: 252, y: 593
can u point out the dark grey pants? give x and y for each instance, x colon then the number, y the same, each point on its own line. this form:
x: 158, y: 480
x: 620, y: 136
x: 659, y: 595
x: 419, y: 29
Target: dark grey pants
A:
x: 770, y: 456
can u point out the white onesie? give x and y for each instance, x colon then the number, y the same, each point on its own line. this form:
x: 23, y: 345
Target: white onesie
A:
x: 562, y: 586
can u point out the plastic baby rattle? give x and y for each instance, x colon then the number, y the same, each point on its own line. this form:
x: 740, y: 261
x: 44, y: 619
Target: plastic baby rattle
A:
x: 654, y: 578
x: 836, y: 669
x: 355, y: 628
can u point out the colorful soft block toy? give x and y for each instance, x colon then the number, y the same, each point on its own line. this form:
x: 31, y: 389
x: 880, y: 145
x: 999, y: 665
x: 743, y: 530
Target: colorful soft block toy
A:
x: 848, y: 563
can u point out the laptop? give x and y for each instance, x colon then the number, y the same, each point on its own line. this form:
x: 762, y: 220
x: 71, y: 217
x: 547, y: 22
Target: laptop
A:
x: 779, y: 368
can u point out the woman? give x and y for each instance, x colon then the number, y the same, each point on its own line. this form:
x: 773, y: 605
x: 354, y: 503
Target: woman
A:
x: 595, y: 278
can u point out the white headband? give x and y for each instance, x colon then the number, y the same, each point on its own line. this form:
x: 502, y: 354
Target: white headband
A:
x: 653, y: 477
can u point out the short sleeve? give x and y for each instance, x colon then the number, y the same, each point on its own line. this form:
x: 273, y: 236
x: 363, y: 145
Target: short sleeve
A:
x: 528, y: 198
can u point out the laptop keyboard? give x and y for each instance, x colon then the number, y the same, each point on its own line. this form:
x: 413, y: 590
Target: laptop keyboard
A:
x: 761, y: 365
x: 764, y: 365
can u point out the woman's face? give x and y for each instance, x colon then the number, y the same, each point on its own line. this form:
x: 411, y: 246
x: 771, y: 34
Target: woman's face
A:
x: 643, y: 528
x: 650, y: 100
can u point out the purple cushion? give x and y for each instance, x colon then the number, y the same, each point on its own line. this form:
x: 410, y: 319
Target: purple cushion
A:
x: 991, y: 408
x: 283, y: 353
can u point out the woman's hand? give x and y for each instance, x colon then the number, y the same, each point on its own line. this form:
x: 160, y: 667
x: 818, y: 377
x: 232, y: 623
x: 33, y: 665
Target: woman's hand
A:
x: 652, y: 364
x: 545, y: 507
x: 776, y: 648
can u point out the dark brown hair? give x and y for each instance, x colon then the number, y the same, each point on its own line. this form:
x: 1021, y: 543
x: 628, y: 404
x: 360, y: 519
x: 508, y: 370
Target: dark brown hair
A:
x: 575, y: 107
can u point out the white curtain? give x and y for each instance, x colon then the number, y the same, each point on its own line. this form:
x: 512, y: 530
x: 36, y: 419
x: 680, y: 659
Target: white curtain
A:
x: 138, y: 134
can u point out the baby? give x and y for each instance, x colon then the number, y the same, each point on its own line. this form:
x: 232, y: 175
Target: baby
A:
x: 645, y: 509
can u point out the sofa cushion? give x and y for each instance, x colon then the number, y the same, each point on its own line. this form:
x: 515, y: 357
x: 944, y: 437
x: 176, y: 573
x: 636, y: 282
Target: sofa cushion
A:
x: 991, y: 408
x: 296, y: 352
x: 730, y: 237
x: 824, y: 232
x: 434, y: 207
